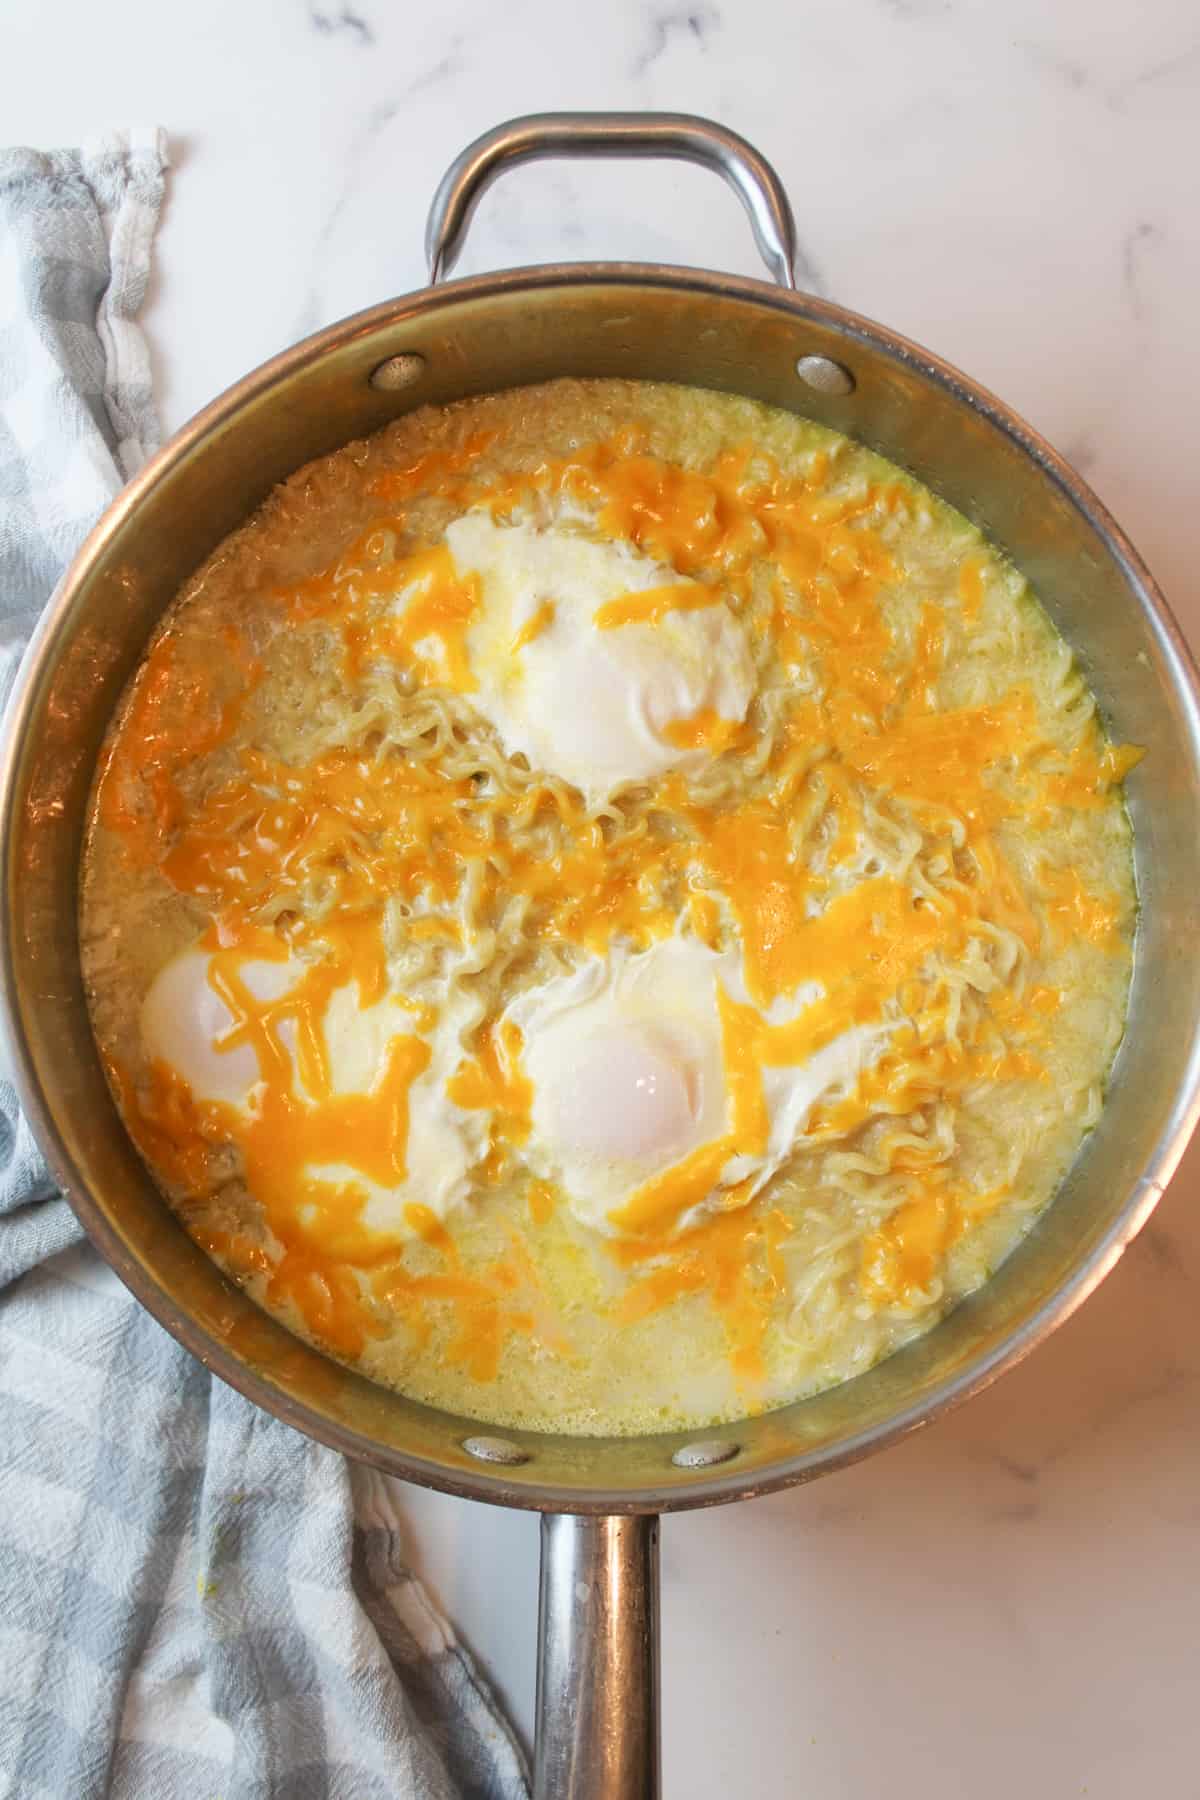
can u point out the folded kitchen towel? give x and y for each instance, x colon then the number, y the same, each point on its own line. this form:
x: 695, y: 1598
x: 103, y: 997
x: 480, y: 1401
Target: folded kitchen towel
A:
x: 188, y: 1606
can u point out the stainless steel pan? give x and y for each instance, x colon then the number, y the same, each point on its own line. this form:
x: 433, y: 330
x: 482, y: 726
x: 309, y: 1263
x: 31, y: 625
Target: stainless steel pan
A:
x: 597, y: 1671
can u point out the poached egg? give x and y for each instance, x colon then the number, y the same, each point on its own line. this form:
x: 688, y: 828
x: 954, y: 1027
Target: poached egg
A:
x: 596, y: 663
x: 381, y: 1107
x: 651, y: 1104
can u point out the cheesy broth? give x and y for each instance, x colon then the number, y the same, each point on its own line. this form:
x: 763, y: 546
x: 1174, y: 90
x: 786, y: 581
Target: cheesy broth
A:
x: 608, y: 907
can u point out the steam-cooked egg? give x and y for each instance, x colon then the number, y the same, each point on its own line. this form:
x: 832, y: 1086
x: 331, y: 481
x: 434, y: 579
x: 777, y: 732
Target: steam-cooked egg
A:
x: 184, y: 1020
x: 593, y: 661
x: 635, y: 1074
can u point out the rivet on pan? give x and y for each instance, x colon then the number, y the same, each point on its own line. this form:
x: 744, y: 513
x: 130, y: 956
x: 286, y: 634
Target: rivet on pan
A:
x: 398, y: 371
x: 705, y: 1454
x: 827, y: 376
x: 495, y: 1450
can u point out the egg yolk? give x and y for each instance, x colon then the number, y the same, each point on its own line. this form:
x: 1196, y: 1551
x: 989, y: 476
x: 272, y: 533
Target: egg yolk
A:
x: 627, y: 1098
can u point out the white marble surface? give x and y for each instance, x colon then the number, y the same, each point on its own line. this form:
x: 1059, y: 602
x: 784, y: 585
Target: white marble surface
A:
x: 1005, y: 1604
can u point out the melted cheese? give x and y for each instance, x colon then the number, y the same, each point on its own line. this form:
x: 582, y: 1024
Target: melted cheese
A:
x: 651, y: 605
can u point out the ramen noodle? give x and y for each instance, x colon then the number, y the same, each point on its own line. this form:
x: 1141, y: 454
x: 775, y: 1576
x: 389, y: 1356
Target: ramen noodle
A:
x: 608, y: 907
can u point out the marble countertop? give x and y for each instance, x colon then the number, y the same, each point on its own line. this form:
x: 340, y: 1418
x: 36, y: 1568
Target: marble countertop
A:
x: 1004, y: 1603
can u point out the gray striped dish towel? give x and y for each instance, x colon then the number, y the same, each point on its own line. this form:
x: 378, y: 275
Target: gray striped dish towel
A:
x: 192, y: 1607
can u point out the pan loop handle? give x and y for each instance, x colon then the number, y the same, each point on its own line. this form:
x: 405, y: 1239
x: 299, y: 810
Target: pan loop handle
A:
x: 682, y: 136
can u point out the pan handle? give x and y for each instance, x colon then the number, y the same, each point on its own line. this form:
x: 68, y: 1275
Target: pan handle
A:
x: 597, y: 1671
x: 678, y: 135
